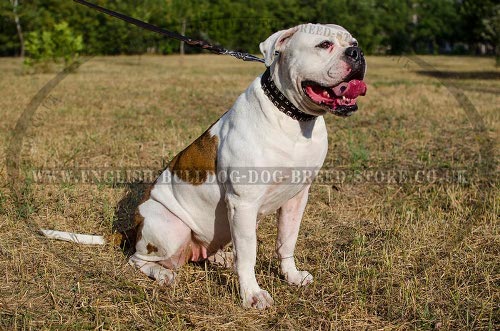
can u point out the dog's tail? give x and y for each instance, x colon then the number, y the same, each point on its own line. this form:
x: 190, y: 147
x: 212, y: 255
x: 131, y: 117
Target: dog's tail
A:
x: 78, y: 238
x: 124, y: 236
x: 116, y: 239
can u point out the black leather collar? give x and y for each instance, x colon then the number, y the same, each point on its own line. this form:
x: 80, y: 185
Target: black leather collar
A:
x: 280, y: 100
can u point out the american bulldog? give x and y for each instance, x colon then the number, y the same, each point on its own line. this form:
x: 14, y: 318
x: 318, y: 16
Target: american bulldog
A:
x: 204, y: 199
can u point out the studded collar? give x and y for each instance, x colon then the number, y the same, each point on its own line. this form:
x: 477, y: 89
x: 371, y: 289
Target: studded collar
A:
x: 280, y: 100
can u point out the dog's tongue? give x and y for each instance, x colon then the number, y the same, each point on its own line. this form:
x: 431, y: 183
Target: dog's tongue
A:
x: 350, y: 90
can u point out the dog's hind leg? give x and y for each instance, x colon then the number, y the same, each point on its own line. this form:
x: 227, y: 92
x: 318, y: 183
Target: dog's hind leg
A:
x: 153, y: 270
x: 163, y: 242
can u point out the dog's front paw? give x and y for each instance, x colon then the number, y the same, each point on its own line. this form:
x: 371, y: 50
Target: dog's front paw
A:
x: 299, y: 278
x: 259, y: 299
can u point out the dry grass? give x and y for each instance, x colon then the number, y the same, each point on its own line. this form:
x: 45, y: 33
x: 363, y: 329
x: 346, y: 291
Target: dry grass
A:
x: 408, y: 256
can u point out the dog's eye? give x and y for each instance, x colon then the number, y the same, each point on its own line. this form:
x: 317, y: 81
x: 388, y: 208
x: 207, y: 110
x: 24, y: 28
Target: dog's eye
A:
x: 325, y: 44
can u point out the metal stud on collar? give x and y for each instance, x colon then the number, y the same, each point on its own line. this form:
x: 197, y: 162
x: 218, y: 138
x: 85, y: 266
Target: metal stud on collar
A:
x: 280, y: 100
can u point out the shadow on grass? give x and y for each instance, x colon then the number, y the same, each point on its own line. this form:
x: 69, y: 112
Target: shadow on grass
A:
x: 478, y: 75
x: 124, y: 216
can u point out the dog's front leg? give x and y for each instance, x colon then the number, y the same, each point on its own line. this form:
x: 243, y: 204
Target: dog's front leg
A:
x: 289, y: 218
x: 243, y: 222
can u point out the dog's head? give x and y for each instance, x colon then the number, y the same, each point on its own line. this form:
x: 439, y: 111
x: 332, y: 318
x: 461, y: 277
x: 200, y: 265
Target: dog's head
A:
x: 320, y: 68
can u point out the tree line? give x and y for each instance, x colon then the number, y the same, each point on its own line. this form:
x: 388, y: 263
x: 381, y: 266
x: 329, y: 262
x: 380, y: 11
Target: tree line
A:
x: 381, y: 26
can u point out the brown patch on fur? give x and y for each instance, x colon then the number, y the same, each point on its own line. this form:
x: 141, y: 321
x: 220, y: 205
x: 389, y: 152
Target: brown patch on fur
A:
x: 192, y: 165
x: 138, y: 230
x: 151, y: 248
x: 197, y: 161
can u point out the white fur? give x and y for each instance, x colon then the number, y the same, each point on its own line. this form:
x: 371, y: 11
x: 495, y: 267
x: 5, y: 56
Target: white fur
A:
x: 74, y: 237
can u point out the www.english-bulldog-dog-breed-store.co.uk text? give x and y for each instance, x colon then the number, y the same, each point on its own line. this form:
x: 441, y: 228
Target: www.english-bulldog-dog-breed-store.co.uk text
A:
x: 197, y: 206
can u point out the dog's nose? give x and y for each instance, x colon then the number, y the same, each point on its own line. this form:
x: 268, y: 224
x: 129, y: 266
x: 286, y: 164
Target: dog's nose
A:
x: 354, y: 53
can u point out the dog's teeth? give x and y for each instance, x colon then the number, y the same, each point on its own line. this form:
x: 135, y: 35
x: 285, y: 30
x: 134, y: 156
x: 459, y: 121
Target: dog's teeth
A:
x: 344, y: 98
x: 325, y: 94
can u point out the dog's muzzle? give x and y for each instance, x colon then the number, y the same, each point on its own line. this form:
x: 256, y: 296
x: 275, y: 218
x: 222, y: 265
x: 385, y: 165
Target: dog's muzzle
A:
x: 355, y: 58
x: 340, y: 99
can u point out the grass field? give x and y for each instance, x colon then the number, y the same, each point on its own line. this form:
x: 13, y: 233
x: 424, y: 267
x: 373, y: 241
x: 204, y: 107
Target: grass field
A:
x: 418, y: 254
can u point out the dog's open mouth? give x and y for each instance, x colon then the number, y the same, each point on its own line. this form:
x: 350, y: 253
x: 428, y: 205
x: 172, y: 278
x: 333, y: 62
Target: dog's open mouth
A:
x: 340, y: 99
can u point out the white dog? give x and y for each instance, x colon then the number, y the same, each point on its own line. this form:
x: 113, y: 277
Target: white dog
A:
x: 214, y: 191
x: 204, y: 199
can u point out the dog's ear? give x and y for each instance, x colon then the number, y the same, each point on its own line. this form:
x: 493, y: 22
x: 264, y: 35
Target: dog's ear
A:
x: 274, y: 44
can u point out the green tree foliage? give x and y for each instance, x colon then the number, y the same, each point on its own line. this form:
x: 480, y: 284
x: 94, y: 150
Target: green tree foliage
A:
x: 394, y: 26
x: 382, y: 26
x: 57, y: 44
x: 481, y: 23
x: 435, y: 23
